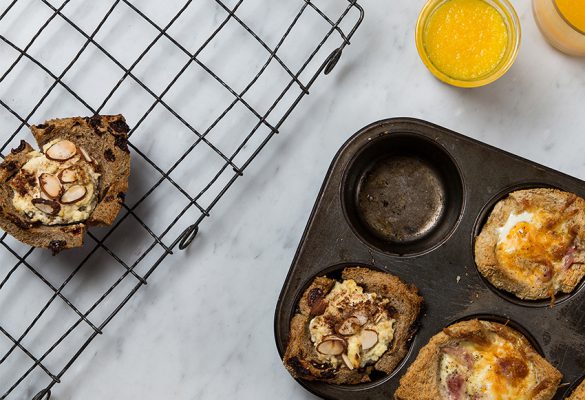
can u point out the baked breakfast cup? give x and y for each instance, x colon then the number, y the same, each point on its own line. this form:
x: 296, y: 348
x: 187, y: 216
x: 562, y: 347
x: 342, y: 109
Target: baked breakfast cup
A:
x: 345, y: 330
x: 78, y: 178
x: 475, y: 359
x: 533, y: 244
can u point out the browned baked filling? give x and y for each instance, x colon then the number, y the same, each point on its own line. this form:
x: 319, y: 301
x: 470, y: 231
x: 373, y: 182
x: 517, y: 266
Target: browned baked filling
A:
x: 347, y: 329
x: 479, y: 360
x: 533, y: 244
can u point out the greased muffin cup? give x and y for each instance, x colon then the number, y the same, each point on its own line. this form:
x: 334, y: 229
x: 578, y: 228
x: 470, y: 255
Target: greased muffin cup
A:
x: 461, y: 180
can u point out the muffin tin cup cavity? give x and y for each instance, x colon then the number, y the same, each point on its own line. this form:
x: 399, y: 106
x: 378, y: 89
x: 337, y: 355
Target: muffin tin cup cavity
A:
x: 377, y: 377
x: 479, y: 224
x: 402, y: 193
x: 438, y: 258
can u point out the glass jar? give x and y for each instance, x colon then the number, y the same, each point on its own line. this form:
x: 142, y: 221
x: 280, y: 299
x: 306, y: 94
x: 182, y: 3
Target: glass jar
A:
x: 562, y: 22
x: 513, y: 37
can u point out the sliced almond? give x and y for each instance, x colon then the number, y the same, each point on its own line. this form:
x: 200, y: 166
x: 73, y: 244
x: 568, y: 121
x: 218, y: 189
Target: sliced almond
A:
x: 368, y: 339
x: 50, y: 185
x: 85, y: 155
x: 45, y: 196
x: 348, y: 327
x: 347, y: 361
x: 361, y: 317
x: 62, y: 151
x: 50, y: 207
x: 331, y: 346
x: 73, y: 194
x: 68, y: 175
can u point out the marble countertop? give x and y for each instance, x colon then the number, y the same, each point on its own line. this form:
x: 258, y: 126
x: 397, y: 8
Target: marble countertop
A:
x: 203, y: 327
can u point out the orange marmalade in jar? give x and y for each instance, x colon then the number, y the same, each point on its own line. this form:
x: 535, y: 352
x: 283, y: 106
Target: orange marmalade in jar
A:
x: 562, y: 23
x: 468, y: 43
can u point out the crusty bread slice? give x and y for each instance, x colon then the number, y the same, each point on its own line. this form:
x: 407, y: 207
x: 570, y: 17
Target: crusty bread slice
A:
x: 301, y: 359
x: 105, y: 140
x: 421, y: 381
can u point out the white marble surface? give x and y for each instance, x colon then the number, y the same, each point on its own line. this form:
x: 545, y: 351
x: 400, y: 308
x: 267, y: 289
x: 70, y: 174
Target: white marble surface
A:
x: 203, y: 327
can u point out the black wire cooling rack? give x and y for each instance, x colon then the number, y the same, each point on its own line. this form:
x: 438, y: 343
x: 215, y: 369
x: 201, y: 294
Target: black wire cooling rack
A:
x: 205, y: 85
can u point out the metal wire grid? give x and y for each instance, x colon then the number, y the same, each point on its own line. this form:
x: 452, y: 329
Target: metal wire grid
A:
x: 75, y: 296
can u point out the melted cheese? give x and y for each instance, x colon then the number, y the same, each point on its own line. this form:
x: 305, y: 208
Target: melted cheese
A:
x: 497, y: 371
x: 28, y: 179
x: 349, y: 294
x: 532, y: 245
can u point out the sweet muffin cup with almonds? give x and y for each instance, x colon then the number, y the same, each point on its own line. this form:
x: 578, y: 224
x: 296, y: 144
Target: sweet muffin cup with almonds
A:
x: 79, y: 178
x: 379, y: 310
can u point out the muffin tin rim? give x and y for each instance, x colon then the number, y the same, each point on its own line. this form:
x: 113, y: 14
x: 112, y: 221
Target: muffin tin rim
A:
x: 306, y: 247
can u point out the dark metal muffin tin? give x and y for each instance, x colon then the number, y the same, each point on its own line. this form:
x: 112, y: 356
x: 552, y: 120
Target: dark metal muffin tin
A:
x: 440, y: 188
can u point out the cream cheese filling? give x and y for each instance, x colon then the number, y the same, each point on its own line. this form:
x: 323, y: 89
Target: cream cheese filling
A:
x: 342, y: 298
x: 27, y: 187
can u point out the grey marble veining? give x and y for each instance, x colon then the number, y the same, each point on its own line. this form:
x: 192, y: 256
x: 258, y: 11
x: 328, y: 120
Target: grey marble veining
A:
x: 203, y: 327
